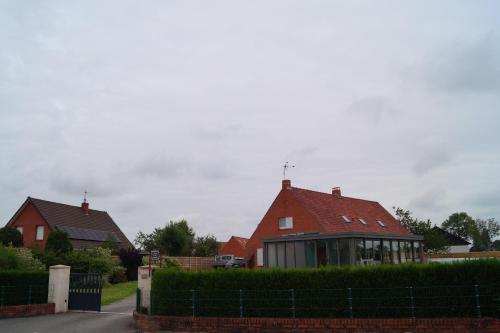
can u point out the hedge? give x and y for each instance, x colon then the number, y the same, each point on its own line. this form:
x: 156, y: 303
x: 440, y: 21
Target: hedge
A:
x: 19, y: 287
x: 437, y: 290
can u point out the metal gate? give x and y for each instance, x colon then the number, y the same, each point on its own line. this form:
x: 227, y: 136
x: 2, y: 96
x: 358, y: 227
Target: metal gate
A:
x: 85, y: 291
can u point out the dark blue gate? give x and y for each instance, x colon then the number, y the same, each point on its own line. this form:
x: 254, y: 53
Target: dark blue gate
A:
x: 85, y: 291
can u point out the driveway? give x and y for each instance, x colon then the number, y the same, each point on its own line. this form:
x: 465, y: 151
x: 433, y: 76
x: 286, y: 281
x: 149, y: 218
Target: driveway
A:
x: 114, y: 318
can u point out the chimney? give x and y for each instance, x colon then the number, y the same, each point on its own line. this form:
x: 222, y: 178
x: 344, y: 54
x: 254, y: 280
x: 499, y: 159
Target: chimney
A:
x: 286, y: 184
x: 85, y: 207
x: 336, y: 192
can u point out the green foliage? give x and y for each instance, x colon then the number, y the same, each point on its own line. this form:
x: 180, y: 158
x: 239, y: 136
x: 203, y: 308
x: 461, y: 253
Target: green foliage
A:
x: 131, y: 259
x: 117, y: 275
x: 148, y: 242
x: 58, y: 242
x: 461, y: 225
x: 439, y: 290
x: 111, y: 244
x: 177, y: 239
x: 97, y: 260
x: 206, y: 246
x: 22, y: 287
x: 496, y: 245
x: 484, y: 232
x: 434, y: 242
x: 18, y: 259
x: 10, y: 237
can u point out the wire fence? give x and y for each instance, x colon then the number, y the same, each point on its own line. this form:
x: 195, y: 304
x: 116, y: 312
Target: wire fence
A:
x: 21, y: 295
x: 405, y: 302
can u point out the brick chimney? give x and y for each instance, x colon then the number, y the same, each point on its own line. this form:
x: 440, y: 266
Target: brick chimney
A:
x: 85, y: 207
x: 286, y: 184
x: 336, y: 192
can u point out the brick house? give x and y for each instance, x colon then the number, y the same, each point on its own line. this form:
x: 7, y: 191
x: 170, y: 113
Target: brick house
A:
x: 87, y: 228
x: 305, y: 228
x: 235, y: 246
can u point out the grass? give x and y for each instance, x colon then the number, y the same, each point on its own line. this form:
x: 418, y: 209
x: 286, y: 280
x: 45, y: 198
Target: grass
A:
x: 117, y: 292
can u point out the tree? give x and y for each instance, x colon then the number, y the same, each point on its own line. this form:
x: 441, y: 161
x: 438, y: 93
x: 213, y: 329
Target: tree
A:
x: 175, y: 239
x: 433, y: 242
x: 206, y: 246
x: 461, y: 225
x: 111, y: 244
x: 11, y: 237
x: 148, y: 242
x: 131, y: 259
x: 58, y: 242
x: 496, y: 245
x: 484, y: 233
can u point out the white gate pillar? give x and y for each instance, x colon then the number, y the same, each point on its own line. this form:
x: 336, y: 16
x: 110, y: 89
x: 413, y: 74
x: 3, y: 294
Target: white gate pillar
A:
x: 59, y: 287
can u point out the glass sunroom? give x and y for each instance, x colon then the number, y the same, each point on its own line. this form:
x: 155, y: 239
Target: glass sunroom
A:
x: 316, y: 250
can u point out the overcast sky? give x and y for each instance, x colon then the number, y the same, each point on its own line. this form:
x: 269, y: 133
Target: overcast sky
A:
x: 188, y: 109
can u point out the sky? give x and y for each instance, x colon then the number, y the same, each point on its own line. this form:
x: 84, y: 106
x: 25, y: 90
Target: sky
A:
x: 164, y: 110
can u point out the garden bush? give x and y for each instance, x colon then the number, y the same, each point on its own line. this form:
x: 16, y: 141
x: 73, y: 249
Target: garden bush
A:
x: 22, y: 287
x: 18, y: 258
x: 117, y: 275
x: 438, y: 290
x: 131, y: 259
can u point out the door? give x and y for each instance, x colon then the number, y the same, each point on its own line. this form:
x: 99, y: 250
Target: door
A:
x: 85, y: 291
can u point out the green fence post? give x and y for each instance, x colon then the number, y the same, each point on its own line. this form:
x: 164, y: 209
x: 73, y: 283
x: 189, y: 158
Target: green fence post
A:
x: 138, y: 300
x: 412, y: 303
x: 29, y: 294
x: 478, y: 305
x: 349, y: 301
x: 292, y: 292
x: 193, y: 299
x: 151, y: 295
x: 241, y: 303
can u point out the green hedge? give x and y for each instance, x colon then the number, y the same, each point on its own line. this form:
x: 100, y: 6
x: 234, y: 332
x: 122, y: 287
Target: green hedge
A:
x: 437, y: 290
x: 18, y: 287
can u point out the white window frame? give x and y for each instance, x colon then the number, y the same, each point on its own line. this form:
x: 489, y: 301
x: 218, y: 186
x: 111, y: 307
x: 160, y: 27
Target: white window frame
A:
x: 40, y: 231
x: 260, y: 257
x: 288, y: 222
x: 346, y: 219
x: 382, y: 224
x: 20, y: 229
x: 362, y: 221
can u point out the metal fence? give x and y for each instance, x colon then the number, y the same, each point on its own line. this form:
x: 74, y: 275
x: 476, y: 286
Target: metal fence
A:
x: 405, y: 302
x: 20, y: 295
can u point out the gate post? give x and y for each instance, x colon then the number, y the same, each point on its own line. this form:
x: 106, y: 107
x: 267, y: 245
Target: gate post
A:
x: 59, y: 287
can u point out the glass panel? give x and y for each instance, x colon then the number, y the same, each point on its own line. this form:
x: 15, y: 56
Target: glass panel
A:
x: 387, y: 252
x: 377, y: 251
x: 310, y: 254
x: 409, y: 256
x: 402, y: 251
x: 395, y: 252
x: 333, y: 252
x: 344, y: 253
x: 281, y: 254
x: 321, y: 256
x: 300, y: 255
x: 290, y: 255
x: 368, y: 249
x: 271, y: 255
x: 360, y: 251
x: 416, y: 249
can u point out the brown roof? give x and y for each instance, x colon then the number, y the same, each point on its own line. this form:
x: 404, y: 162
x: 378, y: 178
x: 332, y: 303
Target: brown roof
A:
x: 95, y: 226
x: 243, y: 241
x: 328, y: 210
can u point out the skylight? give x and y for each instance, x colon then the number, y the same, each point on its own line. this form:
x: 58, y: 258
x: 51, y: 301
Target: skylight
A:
x: 362, y: 221
x: 381, y: 223
x: 346, y: 219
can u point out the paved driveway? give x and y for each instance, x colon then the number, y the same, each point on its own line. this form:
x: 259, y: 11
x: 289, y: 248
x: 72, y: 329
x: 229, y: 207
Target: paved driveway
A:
x: 114, y: 318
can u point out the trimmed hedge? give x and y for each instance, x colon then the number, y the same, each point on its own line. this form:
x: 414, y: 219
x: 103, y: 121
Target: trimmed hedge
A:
x: 19, y: 287
x: 438, y: 290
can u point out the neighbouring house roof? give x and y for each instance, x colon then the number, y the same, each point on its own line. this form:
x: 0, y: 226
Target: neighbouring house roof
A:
x: 329, y: 209
x: 241, y: 240
x: 450, y: 238
x: 94, y: 226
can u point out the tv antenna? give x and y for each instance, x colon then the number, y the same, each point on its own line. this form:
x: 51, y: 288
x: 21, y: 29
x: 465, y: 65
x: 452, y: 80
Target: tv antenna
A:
x: 285, y: 167
x: 85, y: 196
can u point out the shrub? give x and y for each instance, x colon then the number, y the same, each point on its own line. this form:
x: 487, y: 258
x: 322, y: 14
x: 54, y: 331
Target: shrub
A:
x: 58, y: 242
x: 20, y: 287
x: 131, y: 259
x: 97, y: 260
x: 378, y: 291
x: 10, y: 237
x: 19, y: 259
x: 117, y: 275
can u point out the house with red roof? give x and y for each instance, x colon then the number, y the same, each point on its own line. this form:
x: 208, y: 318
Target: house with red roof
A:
x: 305, y: 228
x: 235, y: 246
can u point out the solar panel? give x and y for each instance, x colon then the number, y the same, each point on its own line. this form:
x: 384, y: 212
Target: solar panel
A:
x: 87, y: 234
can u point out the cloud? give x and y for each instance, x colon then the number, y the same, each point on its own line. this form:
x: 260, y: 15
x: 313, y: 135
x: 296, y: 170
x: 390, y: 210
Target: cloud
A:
x: 162, y: 166
x: 430, y: 160
x: 372, y: 109
x: 431, y: 200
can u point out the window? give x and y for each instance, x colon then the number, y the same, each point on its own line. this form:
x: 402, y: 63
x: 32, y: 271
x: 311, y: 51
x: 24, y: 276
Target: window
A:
x: 300, y: 255
x: 260, y: 257
x: 286, y: 222
x: 39, y: 232
x: 360, y: 251
x: 368, y: 249
x: 344, y: 252
x: 377, y: 251
x: 290, y: 255
x: 280, y: 250
x: 395, y: 252
x: 310, y: 254
x: 362, y: 221
x: 381, y: 223
x: 20, y: 229
x: 271, y: 255
x: 387, y: 252
x: 333, y: 252
x: 346, y: 219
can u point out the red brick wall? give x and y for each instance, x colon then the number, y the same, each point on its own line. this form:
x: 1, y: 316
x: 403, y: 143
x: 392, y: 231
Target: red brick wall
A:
x: 278, y: 325
x: 26, y: 310
x: 284, y: 205
x: 29, y: 219
x: 233, y: 247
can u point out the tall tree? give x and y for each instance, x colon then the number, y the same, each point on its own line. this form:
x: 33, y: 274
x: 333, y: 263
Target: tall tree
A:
x: 148, y: 242
x: 206, y: 246
x: 58, y: 242
x: 461, y: 225
x: 177, y: 239
x: 484, y: 233
x: 11, y: 237
x: 434, y: 242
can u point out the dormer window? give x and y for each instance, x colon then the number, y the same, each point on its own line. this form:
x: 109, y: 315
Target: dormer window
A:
x: 362, y: 221
x: 286, y: 222
x: 346, y: 219
x: 381, y: 223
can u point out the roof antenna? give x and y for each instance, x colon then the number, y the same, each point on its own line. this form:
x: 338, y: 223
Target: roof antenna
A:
x: 285, y: 167
x: 85, y: 196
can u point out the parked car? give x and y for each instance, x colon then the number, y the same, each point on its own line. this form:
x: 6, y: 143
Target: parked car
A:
x: 229, y: 261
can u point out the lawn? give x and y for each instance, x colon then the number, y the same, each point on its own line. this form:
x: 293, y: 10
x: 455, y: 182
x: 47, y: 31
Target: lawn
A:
x: 117, y: 292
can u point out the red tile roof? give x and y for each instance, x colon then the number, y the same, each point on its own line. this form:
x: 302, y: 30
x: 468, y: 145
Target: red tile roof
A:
x: 328, y: 210
x: 243, y: 241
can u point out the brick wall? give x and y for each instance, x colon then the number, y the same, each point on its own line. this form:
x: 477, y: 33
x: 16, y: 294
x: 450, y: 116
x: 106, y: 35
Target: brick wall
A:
x: 16, y: 311
x: 233, y: 246
x: 29, y: 219
x: 282, y: 325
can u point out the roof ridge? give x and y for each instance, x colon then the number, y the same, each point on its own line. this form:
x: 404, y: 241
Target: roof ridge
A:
x: 329, y: 194
x: 64, y: 204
